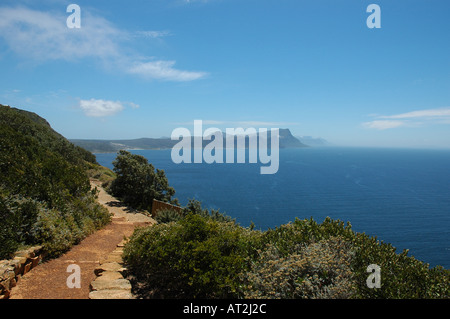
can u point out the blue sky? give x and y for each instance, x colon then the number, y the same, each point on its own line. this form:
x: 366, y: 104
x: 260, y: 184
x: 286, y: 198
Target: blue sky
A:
x: 143, y: 68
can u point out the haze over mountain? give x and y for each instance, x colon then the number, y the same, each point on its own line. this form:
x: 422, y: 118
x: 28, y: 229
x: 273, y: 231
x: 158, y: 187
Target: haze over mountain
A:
x: 287, y: 140
x: 313, y: 141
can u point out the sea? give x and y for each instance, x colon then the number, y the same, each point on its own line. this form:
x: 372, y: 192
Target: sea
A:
x: 401, y: 196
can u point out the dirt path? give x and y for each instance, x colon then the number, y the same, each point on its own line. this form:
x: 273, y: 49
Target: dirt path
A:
x: 48, y: 280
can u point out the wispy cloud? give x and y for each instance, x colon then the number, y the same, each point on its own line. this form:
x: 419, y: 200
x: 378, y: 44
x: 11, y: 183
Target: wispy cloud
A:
x: 163, y: 70
x: 423, y: 114
x: 410, y: 119
x: 194, y: 1
x: 152, y: 34
x: 243, y: 123
x: 43, y: 36
x: 262, y: 124
x: 383, y: 125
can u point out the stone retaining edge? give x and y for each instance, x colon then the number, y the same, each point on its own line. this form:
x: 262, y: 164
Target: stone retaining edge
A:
x: 11, y: 270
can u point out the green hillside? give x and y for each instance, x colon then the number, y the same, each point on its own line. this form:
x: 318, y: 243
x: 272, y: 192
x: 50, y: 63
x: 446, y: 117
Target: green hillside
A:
x: 45, y: 194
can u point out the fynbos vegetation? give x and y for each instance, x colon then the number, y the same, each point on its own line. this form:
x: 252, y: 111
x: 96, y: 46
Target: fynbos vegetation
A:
x: 199, y: 257
x: 45, y: 194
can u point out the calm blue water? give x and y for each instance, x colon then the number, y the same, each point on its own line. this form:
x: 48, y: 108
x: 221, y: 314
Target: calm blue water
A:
x: 401, y: 196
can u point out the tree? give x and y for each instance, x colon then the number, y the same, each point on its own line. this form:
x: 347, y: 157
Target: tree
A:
x: 138, y: 183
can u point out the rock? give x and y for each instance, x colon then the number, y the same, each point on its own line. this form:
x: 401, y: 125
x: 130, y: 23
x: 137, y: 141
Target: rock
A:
x: 113, y: 258
x: 109, y: 275
x: 110, y: 294
x: 112, y: 266
x: 37, y: 250
x: 7, y: 272
x: 117, y: 284
x: 35, y: 261
x: 5, y: 294
x: 27, y: 268
x: 5, y: 286
x: 12, y: 283
x: 21, y: 265
x: 122, y: 243
x: 23, y: 253
x: 15, y: 263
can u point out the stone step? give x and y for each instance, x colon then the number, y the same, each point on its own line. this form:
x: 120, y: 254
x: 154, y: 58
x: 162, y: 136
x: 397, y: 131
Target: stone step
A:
x: 110, y: 294
x: 110, y: 283
x: 116, y: 284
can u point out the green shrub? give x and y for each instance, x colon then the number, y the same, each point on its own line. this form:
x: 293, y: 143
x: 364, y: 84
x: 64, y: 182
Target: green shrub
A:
x: 8, y: 240
x: 196, y: 257
x: 59, y: 230
x: 200, y: 257
x: 195, y: 207
x: 17, y: 218
x: 319, y: 270
x: 101, y: 173
x: 137, y: 183
x: 288, y: 236
x: 403, y: 276
x: 45, y: 193
x: 167, y: 216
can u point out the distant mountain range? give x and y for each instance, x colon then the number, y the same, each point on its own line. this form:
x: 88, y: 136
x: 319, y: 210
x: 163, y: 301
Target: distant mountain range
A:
x: 287, y: 140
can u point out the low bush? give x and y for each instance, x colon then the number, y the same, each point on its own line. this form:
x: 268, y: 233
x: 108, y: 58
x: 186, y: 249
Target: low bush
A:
x: 167, y: 215
x: 45, y: 194
x: 319, y: 270
x: 18, y: 215
x: 101, y: 173
x: 26, y: 222
x: 195, y: 207
x: 196, y: 257
x: 200, y: 257
x: 403, y: 276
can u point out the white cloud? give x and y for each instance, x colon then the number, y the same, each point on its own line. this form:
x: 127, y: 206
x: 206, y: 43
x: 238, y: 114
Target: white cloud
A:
x: 100, y: 108
x: 194, y: 1
x: 44, y: 36
x: 259, y: 124
x: 133, y: 105
x: 263, y: 124
x: 383, y: 125
x: 164, y: 70
x: 152, y: 34
x: 410, y: 119
x: 430, y: 113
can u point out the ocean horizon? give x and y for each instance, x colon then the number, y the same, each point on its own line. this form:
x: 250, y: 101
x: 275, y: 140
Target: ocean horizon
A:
x: 401, y: 196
